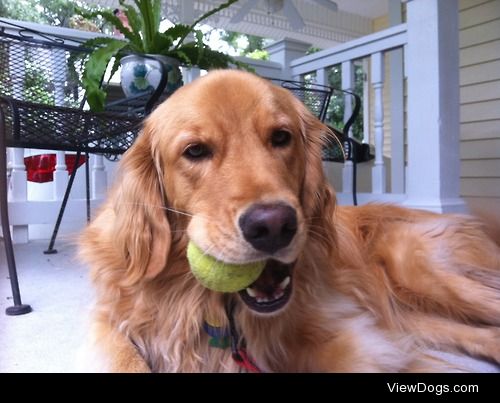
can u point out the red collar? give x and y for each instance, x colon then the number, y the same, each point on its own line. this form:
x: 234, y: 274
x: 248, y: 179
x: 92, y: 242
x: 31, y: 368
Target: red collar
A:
x: 238, y: 349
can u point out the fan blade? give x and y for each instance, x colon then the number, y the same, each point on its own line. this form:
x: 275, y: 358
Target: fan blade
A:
x: 329, y: 4
x: 243, y: 11
x: 290, y: 12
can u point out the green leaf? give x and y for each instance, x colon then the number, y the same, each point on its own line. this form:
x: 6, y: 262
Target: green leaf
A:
x: 178, y: 31
x: 94, y: 72
x: 199, y: 43
x: 150, y: 11
x: 95, y: 97
x: 181, y: 56
x: 161, y: 44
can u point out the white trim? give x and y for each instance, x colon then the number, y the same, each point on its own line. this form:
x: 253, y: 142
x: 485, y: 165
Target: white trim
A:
x: 345, y: 198
x: 378, y: 42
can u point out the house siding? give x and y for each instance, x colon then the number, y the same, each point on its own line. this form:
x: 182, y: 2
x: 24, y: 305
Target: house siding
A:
x: 479, y: 41
x: 480, y: 101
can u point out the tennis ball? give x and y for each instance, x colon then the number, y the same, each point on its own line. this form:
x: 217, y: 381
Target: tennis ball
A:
x: 221, y: 276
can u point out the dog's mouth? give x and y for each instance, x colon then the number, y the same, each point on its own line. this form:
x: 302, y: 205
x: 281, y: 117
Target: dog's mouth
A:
x: 272, y: 290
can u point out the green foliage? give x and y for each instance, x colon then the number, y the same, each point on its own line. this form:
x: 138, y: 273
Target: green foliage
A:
x: 51, y: 12
x: 144, y: 37
x: 253, y: 48
x: 335, y: 113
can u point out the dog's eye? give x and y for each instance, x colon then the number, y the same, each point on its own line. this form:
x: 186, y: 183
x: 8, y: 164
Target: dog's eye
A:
x: 280, y: 138
x: 197, y: 151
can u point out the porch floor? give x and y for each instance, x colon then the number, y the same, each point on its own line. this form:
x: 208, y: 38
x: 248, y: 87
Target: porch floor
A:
x: 58, y: 289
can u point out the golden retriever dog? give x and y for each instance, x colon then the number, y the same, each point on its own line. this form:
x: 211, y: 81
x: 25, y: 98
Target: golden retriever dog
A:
x: 233, y: 163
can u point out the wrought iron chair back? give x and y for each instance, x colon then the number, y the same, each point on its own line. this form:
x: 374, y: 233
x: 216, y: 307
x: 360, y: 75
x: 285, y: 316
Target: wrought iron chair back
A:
x: 318, y: 98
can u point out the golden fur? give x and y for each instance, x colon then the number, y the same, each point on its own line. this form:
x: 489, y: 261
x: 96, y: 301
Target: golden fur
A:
x: 376, y: 288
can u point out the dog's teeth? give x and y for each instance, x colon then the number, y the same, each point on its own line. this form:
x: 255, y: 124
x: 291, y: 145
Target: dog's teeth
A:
x: 284, y: 283
x: 263, y: 299
x: 251, y: 292
x: 278, y: 294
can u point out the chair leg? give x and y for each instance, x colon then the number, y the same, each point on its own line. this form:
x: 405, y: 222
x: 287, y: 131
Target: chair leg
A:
x: 18, y: 308
x: 50, y: 250
x: 87, y: 184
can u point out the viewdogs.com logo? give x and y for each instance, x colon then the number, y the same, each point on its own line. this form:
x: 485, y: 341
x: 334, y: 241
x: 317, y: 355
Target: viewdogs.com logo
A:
x: 422, y: 387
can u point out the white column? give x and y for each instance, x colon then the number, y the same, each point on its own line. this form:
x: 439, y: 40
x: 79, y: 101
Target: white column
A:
x: 397, y: 106
x: 284, y: 51
x: 60, y: 175
x: 433, y: 181
x: 99, y: 177
x: 322, y: 77
x: 347, y: 75
x: 378, y: 170
x: 18, y: 191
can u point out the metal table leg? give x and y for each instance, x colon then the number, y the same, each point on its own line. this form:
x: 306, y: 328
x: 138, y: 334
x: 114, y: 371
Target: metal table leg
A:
x: 50, y: 250
x: 18, y: 308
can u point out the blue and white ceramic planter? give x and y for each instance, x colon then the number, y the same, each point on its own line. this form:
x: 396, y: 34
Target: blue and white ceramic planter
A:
x: 141, y: 73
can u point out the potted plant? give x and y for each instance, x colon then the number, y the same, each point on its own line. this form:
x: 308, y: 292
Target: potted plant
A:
x: 142, y: 36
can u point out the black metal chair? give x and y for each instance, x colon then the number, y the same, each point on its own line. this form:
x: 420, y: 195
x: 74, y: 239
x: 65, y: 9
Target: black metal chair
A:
x: 42, y: 107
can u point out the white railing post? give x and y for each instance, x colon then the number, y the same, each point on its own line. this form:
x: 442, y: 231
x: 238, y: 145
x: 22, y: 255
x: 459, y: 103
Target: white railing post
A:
x: 60, y: 175
x: 284, y: 52
x: 99, y: 177
x: 347, y: 85
x: 432, y: 66
x: 378, y: 170
x: 366, y: 102
x: 18, y: 191
x: 322, y: 77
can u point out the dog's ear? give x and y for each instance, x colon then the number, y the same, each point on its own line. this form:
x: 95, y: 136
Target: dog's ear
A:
x: 317, y: 193
x: 318, y: 197
x: 141, y: 230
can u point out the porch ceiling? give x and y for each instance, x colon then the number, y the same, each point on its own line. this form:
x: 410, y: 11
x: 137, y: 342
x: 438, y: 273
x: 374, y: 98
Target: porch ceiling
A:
x: 323, y: 28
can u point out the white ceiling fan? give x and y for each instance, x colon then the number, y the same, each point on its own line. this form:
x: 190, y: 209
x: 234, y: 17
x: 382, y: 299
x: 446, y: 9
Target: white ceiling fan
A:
x: 285, y: 6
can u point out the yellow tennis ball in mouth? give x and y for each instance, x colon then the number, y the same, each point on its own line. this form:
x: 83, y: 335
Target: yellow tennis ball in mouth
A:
x: 220, y: 276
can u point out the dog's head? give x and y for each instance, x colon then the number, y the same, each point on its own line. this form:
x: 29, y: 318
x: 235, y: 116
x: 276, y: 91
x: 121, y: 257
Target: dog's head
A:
x: 236, y: 161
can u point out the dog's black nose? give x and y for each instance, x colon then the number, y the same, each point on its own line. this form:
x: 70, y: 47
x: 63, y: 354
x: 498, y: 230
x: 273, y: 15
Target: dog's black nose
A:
x: 269, y: 227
